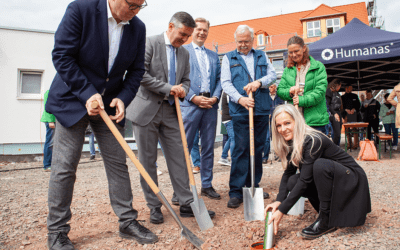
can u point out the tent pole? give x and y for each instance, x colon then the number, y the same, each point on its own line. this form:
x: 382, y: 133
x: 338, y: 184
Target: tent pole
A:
x: 358, y: 78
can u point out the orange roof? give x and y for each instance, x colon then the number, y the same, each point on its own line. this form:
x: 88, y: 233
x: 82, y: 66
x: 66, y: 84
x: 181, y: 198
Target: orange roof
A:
x: 280, y: 28
x: 322, y: 10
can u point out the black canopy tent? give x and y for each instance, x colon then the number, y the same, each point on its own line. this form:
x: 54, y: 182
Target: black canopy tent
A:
x: 361, y: 56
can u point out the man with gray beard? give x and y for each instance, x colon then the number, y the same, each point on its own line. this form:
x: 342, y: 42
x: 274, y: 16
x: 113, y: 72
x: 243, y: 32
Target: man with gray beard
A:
x: 246, y: 70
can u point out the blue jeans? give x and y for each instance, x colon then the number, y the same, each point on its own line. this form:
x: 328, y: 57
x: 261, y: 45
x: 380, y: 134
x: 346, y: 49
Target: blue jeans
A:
x: 230, y: 143
x: 92, y: 148
x: 225, y: 138
x: 391, y: 129
x: 267, y: 145
x: 240, y: 171
x: 48, y: 147
x: 320, y: 128
x: 195, y: 153
x: 327, y: 128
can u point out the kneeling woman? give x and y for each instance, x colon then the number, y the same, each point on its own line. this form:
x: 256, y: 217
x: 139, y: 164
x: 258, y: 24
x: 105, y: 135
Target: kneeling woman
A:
x: 336, y: 186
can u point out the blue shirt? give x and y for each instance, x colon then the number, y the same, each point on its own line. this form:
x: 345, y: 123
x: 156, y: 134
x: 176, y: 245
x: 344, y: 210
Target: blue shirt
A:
x: 226, y: 80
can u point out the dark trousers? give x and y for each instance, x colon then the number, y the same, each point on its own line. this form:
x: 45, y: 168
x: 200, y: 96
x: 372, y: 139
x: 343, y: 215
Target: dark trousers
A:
x: 319, y: 192
x: 374, y: 124
x: 336, y: 129
x: 240, y: 171
x: 68, y: 143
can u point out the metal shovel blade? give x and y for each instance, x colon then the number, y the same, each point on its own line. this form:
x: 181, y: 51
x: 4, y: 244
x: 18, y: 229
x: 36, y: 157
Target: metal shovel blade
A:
x: 191, y: 237
x: 253, y: 204
x: 185, y: 232
x: 200, y: 211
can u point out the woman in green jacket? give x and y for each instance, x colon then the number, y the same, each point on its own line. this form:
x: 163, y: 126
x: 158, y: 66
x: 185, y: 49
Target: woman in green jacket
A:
x: 303, y: 69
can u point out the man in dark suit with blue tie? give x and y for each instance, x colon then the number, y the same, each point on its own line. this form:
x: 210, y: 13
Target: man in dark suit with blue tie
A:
x: 199, y: 109
x: 99, y: 56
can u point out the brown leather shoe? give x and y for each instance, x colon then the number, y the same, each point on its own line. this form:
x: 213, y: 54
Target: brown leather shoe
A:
x: 196, y: 170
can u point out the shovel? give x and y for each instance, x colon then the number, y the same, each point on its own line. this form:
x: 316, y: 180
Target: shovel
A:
x: 199, y: 208
x: 253, y: 198
x: 184, y: 231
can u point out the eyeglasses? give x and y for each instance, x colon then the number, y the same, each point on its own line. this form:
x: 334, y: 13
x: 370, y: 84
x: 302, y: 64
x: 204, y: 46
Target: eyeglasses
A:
x: 135, y: 6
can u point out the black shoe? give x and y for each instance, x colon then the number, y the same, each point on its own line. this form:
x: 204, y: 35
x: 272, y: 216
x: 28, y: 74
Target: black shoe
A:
x: 265, y: 161
x: 59, y: 241
x: 138, y: 232
x: 266, y: 195
x: 234, y: 202
x: 186, y: 211
x: 210, y: 193
x: 310, y: 227
x: 92, y: 157
x: 175, y: 201
x: 318, y: 228
x: 156, y: 216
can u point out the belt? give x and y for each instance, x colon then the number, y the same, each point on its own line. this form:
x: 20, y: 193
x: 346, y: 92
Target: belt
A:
x: 205, y: 94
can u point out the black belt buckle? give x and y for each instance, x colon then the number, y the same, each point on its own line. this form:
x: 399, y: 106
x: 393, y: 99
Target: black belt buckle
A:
x: 205, y: 94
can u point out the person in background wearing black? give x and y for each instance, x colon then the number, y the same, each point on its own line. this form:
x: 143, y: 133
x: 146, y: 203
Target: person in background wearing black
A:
x: 333, y: 182
x: 227, y: 121
x: 371, y: 108
x: 275, y: 102
x: 351, y: 107
x: 334, y: 103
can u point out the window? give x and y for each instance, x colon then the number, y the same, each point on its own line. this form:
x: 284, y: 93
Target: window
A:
x: 128, y: 129
x: 278, y: 65
x: 313, y: 29
x: 260, y: 39
x: 30, y: 84
x: 332, y: 25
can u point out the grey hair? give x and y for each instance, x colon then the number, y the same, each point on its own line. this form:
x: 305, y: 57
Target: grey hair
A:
x: 182, y: 18
x: 243, y: 28
x: 300, y: 131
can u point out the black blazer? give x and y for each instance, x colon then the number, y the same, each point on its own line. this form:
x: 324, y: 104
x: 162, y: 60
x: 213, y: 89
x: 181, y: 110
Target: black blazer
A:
x: 80, y: 56
x: 350, y: 194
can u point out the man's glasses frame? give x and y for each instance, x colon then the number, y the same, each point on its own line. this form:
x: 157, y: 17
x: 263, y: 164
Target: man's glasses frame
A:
x: 135, y: 6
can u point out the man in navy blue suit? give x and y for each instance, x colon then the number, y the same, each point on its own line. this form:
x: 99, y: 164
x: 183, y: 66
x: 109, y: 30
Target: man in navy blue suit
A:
x: 199, y: 109
x: 99, y: 56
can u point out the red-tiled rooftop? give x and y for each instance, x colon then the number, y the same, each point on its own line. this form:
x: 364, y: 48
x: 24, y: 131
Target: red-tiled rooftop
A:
x: 280, y: 28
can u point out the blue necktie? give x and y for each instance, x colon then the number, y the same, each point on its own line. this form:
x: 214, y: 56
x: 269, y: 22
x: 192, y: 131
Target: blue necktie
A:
x: 172, y: 77
x: 203, y: 69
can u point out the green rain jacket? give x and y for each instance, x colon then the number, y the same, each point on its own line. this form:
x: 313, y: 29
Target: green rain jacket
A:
x: 313, y: 100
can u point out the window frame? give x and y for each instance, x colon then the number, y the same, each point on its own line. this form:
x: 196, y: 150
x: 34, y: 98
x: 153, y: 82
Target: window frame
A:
x: 262, y: 39
x: 333, y: 25
x: 26, y: 96
x: 314, y: 29
x: 283, y: 64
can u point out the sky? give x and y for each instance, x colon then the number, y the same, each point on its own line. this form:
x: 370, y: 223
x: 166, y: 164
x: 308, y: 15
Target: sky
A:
x: 47, y: 14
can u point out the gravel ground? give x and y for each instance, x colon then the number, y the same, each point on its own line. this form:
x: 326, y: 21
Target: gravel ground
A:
x: 23, y: 211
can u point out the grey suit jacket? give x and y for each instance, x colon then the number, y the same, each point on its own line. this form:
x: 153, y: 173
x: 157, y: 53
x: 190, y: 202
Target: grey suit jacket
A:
x: 154, y: 86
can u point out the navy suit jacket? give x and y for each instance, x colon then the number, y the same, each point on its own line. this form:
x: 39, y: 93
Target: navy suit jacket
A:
x: 80, y: 56
x: 195, y: 76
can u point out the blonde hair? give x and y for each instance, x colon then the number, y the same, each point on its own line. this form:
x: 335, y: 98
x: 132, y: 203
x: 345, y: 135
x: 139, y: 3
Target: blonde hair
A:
x: 202, y: 20
x: 300, y: 131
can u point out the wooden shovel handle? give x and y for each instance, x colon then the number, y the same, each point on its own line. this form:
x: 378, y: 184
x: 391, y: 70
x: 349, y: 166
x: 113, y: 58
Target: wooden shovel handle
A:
x: 184, y: 141
x: 251, y: 127
x: 126, y: 148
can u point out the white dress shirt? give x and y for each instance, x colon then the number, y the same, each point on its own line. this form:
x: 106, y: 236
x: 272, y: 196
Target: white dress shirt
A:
x: 115, y: 32
x: 201, y: 52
